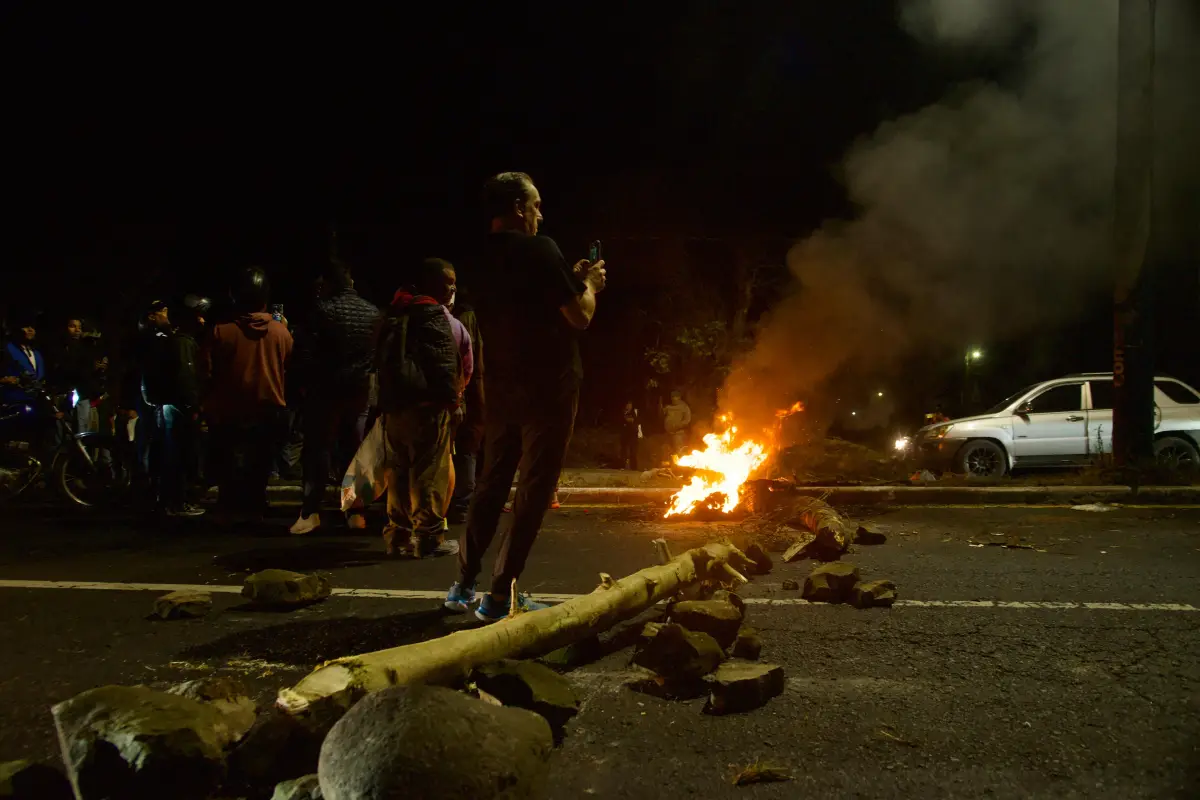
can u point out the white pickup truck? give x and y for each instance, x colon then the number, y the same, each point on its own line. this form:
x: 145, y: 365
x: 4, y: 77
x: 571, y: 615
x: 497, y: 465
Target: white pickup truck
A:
x: 1064, y: 422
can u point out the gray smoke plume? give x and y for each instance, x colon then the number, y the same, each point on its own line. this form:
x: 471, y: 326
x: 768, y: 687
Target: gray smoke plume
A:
x: 979, y: 216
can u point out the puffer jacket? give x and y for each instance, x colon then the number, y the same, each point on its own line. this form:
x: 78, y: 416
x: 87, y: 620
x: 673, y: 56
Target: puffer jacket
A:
x: 338, y: 346
x: 419, y: 361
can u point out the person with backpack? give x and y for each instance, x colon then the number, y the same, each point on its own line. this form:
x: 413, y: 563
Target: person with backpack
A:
x: 421, y: 377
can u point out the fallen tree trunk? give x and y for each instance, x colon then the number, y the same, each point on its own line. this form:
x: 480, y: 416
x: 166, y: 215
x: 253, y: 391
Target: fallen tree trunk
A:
x: 834, y: 533
x: 336, y: 685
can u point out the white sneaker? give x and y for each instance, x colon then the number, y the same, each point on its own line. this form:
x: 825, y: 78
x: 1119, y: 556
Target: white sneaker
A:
x: 306, y: 524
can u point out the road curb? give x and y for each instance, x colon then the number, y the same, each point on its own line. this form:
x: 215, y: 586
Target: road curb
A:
x: 887, y: 495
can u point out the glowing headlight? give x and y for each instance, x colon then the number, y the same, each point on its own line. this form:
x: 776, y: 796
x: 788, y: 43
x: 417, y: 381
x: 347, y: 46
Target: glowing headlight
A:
x: 74, y: 398
x: 902, y: 443
x: 940, y: 431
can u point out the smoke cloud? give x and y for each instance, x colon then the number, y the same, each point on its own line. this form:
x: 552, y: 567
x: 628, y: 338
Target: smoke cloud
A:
x: 979, y: 216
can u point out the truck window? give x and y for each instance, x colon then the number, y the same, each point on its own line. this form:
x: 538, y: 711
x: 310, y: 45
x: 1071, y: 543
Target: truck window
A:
x: 1102, y: 395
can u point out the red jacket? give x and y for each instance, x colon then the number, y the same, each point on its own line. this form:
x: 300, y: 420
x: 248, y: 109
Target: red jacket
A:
x: 247, y: 359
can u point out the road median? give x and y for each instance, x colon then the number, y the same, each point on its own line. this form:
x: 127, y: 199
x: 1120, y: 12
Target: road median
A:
x: 889, y: 495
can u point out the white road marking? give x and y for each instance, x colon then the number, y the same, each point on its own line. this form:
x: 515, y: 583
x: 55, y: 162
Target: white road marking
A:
x: 422, y: 594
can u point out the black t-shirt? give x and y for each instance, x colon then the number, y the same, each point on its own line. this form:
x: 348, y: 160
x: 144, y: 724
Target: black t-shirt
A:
x: 533, y: 352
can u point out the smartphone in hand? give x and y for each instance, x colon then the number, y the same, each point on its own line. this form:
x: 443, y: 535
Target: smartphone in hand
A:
x: 594, y: 251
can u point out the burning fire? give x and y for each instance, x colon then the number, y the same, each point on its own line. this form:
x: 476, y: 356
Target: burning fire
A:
x: 725, y: 467
x: 795, y: 408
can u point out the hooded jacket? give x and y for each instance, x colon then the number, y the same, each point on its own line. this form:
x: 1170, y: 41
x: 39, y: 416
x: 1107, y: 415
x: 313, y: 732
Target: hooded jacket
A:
x: 419, y: 361
x: 247, y: 361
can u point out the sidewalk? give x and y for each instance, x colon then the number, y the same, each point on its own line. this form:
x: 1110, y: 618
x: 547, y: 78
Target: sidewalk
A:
x: 618, y: 487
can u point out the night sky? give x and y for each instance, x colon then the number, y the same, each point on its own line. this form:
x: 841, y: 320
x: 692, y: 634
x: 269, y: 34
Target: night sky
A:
x: 152, y: 153
x: 200, y: 142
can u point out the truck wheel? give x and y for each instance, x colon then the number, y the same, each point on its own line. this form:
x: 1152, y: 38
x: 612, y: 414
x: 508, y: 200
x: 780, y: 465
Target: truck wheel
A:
x: 982, y: 459
x: 1175, y: 451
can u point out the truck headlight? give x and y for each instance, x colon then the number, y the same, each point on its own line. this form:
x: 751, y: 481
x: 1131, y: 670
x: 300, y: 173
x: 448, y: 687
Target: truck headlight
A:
x: 940, y: 431
x: 74, y: 398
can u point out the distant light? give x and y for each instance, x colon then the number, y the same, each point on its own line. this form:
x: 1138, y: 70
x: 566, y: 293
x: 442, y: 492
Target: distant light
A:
x: 854, y: 413
x: 976, y: 355
x: 902, y: 444
x: 879, y: 395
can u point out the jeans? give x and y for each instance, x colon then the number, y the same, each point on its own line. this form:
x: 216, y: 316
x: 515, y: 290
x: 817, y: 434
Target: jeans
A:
x: 178, y: 462
x: 538, y: 447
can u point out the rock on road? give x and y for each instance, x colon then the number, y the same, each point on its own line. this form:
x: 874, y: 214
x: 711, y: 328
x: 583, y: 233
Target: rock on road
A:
x: 1069, y: 669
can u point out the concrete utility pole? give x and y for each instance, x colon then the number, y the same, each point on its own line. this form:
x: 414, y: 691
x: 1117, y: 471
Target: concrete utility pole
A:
x: 1133, y: 236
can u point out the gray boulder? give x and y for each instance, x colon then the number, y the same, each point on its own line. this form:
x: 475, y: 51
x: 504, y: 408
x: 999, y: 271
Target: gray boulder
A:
x: 831, y: 583
x: 720, y: 619
x: 739, y: 686
x: 435, y: 744
x: 873, y: 594
x: 532, y: 686
x: 226, y: 695
x: 677, y: 654
x: 281, y: 588
x: 182, y: 605
x: 136, y: 743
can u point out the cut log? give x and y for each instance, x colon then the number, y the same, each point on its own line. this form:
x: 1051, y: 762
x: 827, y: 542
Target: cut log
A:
x: 834, y: 533
x: 336, y: 685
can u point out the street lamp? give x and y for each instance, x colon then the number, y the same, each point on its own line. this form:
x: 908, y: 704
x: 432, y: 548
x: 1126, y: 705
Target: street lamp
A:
x: 973, y: 354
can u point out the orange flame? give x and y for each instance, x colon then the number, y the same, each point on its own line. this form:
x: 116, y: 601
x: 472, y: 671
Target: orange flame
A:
x: 725, y: 466
x: 795, y: 408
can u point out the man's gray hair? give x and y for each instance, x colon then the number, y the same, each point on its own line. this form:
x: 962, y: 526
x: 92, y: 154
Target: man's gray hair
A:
x: 501, y: 192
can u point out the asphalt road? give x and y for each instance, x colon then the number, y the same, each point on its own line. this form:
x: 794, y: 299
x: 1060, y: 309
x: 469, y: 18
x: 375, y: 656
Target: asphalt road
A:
x: 1066, y: 667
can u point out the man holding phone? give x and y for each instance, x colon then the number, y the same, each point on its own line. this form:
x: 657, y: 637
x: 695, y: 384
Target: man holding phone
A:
x: 531, y: 306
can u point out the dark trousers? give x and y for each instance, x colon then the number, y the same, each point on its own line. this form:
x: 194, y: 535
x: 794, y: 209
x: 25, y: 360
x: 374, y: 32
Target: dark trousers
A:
x: 332, y: 424
x: 629, y: 449
x: 537, y: 447
x: 178, y: 460
x: 464, y: 482
x: 241, y: 454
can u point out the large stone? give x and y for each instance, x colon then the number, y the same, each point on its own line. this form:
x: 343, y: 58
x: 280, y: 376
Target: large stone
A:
x: 869, y: 536
x: 306, y: 788
x: 532, y: 686
x: 227, y: 695
x: 743, y: 686
x: 278, y: 748
x: 133, y: 742
x: 280, y: 588
x: 24, y: 780
x: 675, y: 653
x: 830, y: 583
x: 790, y: 585
x: 731, y: 597
x: 720, y: 619
x: 874, y: 593
x: 748, y: 645
x: 183, y: 605
x: 436, y: 744
x: 760, y: 560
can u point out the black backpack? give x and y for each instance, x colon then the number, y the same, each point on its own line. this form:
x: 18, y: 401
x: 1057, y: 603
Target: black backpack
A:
x: 402, y: 382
